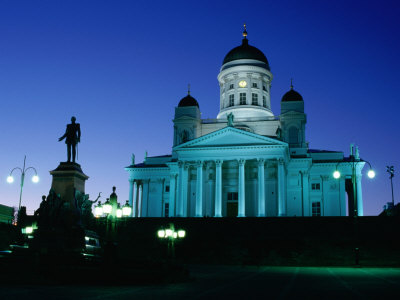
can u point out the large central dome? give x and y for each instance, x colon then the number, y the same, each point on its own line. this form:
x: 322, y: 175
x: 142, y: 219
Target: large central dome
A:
x: 245, y: 51
x: 245, y: 82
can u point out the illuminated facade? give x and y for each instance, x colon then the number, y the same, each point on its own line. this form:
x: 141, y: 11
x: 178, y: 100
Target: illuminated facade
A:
x: 247, y: 162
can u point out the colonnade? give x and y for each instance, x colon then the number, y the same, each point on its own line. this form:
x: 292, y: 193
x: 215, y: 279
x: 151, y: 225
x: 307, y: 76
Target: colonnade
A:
x: 181, y: 200
x: 179, y: 182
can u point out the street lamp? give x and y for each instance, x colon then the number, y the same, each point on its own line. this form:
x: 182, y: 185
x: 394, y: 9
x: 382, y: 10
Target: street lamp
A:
x: 10, y: 179
x: 390, y: 170
x: 171, y: 235
x: 126, y: 209
x: 354, y: 162
x: 98, y: 210
x: 119, y: 212
x: 107, y: 207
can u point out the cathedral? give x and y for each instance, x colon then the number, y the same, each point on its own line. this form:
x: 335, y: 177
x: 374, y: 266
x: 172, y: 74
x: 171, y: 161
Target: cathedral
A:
x: 247, y: 162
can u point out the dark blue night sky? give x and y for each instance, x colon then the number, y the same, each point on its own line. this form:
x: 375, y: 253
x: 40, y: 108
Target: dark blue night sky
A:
x: 121, y: 67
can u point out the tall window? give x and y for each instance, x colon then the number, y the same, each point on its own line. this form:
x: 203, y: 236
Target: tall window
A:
x: 264, y: 101
x: 242, y: 98
x: 316, y: 209
x: 231, y: 100
x: 166, y: 210
x: 231, y: 86
x: 254, y: 99
x: 255, y: 85
x: 264, y: 88
x: 315, y: 186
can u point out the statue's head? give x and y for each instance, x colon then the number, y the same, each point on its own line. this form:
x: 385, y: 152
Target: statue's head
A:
x: 73, y: 119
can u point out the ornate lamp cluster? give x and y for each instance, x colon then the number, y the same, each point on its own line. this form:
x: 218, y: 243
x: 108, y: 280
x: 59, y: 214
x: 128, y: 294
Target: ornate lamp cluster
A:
x: 170, y: 233
x: 105, y: 210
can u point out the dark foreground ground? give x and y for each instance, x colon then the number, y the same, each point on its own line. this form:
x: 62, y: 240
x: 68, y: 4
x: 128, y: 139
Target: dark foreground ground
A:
x: 236, y: 282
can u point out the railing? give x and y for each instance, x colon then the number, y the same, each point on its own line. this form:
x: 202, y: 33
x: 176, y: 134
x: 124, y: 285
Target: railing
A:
x: 210, y: 121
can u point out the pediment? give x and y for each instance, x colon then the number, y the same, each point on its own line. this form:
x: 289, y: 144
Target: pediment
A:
x: 230, y: 136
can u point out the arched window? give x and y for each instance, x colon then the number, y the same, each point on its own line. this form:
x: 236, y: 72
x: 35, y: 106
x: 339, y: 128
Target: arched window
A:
x: 231, y: 100
x: 242, y: 98
x: 254, y: 99
x: 293, y: 135
x: 184, y: 136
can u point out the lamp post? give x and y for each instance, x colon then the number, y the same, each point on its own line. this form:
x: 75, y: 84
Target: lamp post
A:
x: 10, y: 179
x: 171, y: 236
x: 371, y: 174
x: 354, y: 162
x: 390, y: 170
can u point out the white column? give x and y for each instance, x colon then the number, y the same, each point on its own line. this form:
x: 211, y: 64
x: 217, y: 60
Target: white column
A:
x: 131, y: 196
x: 306, y: 193
x: 261, y: 188
x: 172, y: 195
x: 281, y: 188
x: 185, y: 183
x: 179, y: 206
x: 199, y: 190
x: 218, y: 188
x: 140, y: 197
x: 241, y: 212
x: 134, y: 200
x: 145, y: 200
x: 360, y: 206
x: 162, y: 184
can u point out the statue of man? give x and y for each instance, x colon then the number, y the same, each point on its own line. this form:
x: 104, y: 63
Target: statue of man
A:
x: 72, y: 137
x: 279, y: 133
x: 230, y: 118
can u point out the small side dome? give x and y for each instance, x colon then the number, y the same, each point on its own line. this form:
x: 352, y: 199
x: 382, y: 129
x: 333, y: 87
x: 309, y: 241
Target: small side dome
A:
x: 188, y: 100
x: 292, y: 95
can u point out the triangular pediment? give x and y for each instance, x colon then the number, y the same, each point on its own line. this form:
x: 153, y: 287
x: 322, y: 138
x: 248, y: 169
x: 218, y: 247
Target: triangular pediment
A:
x: 230, y: 136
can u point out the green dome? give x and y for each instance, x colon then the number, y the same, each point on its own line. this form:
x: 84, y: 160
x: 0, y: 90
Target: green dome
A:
x: 292, y: 95
x: 245, y: 51
x: 188, y: 101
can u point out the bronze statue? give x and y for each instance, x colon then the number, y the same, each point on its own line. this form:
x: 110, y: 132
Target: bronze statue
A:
x: 72, y: 137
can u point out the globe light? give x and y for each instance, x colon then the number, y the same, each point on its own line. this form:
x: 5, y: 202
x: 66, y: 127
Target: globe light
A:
x: 35, y: 179
x: 107, y: 208
x: 336, y: 174
x: 181, y: 233
x: 98, y: 210
x: 10, y: 179
x: 371, y: 173
x: 175, y: 235
x: 28, y: 230
x: 168, y: 232
x: 161, y: 233
x: 119, y: 213
x: 126, y: 209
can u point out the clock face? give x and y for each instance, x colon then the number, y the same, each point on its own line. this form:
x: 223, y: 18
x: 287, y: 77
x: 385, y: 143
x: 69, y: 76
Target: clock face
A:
x: 242, y: 83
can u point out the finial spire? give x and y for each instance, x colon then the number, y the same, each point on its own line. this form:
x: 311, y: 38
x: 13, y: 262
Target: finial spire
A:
x: 188, y: 88
x: 244, y: 31
x: 291, y: 83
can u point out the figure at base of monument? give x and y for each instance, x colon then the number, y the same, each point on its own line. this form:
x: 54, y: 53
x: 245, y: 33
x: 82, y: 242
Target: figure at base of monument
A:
x: 72, y: 137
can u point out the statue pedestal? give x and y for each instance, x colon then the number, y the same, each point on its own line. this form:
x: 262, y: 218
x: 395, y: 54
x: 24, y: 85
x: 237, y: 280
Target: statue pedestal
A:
x: 68, y: 177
